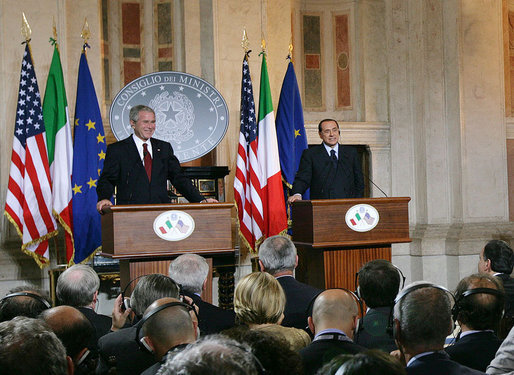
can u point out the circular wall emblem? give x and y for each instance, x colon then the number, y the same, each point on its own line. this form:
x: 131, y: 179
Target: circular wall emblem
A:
x: 174, y: 225
x: 190, y: 113
x: 362, y: 217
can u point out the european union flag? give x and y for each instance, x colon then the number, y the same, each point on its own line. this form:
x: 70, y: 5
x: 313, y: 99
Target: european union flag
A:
x: 291, y: 136
x: 89, y: 148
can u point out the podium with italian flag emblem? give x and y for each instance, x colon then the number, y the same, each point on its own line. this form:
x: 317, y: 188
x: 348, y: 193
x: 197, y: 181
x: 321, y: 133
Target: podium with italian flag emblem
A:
x: 145, y: 238
x: 335, y: 237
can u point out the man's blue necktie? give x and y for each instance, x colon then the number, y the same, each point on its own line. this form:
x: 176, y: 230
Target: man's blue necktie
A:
x: 333, y: 157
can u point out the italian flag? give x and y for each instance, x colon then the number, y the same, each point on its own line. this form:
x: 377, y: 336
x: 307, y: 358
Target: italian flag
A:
x: 60, y: 149
x: 275, y: 218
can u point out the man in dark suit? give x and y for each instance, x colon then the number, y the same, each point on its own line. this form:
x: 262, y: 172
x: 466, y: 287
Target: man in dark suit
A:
x: 191, y: 271
x: 497, y: 259
x: 479, y: 316
x: 119, y: 350
x: 277, y: 256
x: 378, y: 284
x: 422, y: 320
x: 334, y: 317
x: 140, y: 166
x: 78, y: 287
x: 330, y: 170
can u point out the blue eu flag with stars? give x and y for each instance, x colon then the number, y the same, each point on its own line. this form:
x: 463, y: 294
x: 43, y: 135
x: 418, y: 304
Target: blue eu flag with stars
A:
x: 89, y: 148
x: 291, y: 136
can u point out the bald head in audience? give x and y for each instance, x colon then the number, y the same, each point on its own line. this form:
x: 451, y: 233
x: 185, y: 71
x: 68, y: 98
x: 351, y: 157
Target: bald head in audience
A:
x: 169, y: 327
x: 72, y: 328
x: 334, y: 309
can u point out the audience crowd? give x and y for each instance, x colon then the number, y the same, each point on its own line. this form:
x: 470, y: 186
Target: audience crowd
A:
x: 278, y: 326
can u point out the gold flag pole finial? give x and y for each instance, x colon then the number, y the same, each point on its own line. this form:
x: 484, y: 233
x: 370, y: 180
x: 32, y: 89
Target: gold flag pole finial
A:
x: 54, y: 29
x: 86, y: 33
x: 245, y: 43
x: 290, y: 56
x: 26, y: 31
x: 263, y: 45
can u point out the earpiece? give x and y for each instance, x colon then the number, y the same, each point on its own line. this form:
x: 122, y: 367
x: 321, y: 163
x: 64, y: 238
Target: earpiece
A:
x: 458, y: 307
x: 37, y: 297
x: 411, y: 289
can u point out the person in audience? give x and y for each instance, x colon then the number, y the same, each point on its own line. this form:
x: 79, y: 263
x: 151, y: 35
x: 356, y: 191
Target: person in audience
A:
x: 23, y: 301
x: 75, y: 333
x: 29, y: 347
x: 259, y: 303
x: 119, y: 350
x: 272, y: 351
x: 277, y: 256
x: 422, y: 320
x: 503, y: 361
x: 191, y: 271
x: 166, y: 329
x: 78, y: 287
x: 378, y: 285
x: 213, y: 355
x: 373, y: 361
x: 334, y: 317
x: 497, y: 259
x: 479, y: 317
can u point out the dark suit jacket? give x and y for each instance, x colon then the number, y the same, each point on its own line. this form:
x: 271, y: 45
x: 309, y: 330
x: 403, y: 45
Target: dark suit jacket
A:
x: 507, y: 321
x: 123, y: 168
x: 120, y: 350
x: 298, y: 297
x: 438, y: 363
x: 317, y: 353
x: 372, y: 332
x: 154, y: 369
x: 508, y: 285
x: 475, y: 350
x: 317, y: 172
x: 212, y: 319
x: 101, y: 323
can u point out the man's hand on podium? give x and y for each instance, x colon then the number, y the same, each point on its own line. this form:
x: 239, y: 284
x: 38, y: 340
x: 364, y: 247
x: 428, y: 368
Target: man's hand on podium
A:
x: 209, y: 200
x: 103, y: 203
x: 294, y: 198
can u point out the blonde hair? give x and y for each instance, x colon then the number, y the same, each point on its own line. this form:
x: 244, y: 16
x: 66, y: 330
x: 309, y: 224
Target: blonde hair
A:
x: 259, y: 299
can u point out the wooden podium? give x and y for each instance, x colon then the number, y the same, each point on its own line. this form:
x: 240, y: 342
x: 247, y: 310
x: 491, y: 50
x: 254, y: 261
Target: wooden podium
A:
x: 128, y: 235
x: 330, y: 253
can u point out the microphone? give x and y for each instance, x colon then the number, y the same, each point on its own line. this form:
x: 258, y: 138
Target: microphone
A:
x: 375, y: 185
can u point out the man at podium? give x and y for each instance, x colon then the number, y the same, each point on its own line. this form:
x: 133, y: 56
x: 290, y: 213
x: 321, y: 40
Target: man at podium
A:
x: 140, y: 166
x: 330, y: 170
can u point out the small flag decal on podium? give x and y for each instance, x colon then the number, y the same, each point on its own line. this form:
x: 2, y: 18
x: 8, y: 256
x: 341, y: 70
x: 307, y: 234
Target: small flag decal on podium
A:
x: 362, y: 217
x: 174, y: 225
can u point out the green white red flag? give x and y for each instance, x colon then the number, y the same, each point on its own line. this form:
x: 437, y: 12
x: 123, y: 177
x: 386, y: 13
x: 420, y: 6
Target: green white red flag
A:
x: 60, y: 149
x: 275, y: 218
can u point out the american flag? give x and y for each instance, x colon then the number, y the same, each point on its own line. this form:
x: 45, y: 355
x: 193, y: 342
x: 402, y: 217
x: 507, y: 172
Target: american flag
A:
x: 247, y: 188
x: 29, y: 195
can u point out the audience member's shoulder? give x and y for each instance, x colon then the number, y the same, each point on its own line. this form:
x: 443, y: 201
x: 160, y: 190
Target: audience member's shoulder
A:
x: 297, y: 338
x: 289, y: 281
